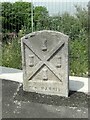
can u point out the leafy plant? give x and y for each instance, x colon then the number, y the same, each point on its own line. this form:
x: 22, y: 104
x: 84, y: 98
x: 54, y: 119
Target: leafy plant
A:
x: 11, y: 54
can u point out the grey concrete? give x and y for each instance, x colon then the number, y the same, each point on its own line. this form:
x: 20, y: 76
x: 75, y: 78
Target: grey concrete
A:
x: 45, y: 62
x: 35, y: 110
x: 15, y: 105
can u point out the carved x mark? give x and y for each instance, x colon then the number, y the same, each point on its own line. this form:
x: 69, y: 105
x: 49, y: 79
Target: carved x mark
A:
x: 45, y: 60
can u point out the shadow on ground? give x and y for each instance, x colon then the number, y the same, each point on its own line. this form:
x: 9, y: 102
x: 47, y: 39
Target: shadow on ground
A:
x: 19, y: 104
x: 75, y: 99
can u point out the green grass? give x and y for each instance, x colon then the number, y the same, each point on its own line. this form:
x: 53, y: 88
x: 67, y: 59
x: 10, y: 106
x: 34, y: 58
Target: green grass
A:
x: 79, y: 58
x: 11, y: 54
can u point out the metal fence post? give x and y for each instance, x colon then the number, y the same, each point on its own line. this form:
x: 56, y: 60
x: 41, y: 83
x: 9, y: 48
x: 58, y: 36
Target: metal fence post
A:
x: 32, y: 15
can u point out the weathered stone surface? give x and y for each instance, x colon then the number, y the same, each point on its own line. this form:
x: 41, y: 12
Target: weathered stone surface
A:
x: 45, y: 62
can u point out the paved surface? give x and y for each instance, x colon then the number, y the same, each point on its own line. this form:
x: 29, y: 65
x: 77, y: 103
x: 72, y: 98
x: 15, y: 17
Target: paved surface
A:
x: 75, y: 83
x: 16, y: 104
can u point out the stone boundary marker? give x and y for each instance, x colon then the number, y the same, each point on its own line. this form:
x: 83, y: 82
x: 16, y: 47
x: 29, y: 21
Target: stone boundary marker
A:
x: 45, y: 63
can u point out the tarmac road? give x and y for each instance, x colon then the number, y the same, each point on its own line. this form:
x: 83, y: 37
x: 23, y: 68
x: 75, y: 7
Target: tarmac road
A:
x: 15, y: 107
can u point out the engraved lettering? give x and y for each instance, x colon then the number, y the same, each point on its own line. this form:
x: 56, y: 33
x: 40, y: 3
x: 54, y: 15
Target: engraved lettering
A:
x: 31, y: 61
x: 44, y: 45
x: 45, y: 76
x: 42, y: 87
x: 49, y: 88
x: 46, y: 88
x: 55, y: 89
x: 35, y: 87
x: 58, y: 62
x: 59, y: 89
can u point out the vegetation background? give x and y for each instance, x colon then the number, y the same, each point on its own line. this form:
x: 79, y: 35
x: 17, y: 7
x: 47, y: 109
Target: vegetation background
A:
x: 16, y: 22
